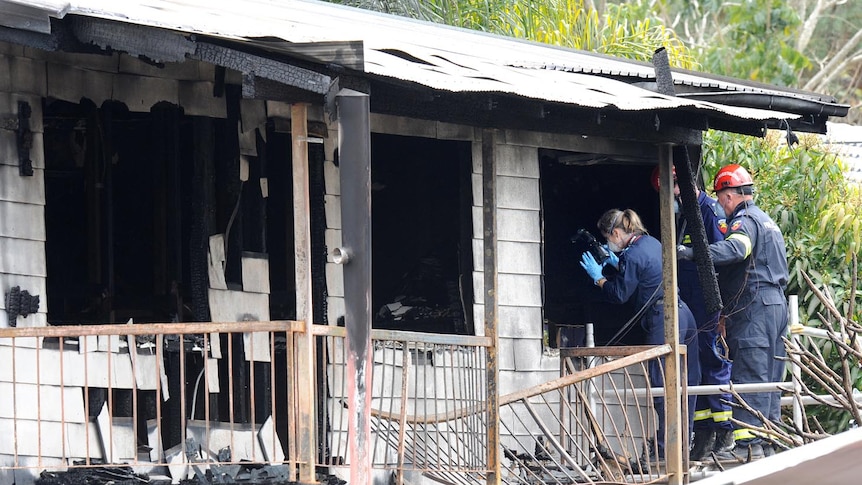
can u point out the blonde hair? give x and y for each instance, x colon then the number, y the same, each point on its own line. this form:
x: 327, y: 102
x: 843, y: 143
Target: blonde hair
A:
x: 627, y: 220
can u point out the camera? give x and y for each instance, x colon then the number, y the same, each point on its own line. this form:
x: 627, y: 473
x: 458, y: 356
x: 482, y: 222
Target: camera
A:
x: 585, y: 241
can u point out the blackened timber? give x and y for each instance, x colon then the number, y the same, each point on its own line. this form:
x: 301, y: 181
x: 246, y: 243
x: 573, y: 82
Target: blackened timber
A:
x: 153, y: 44
x: 509, y: 112
x: 253, y: 202
x: 262, y: 67
x: 256, y: 87
x: 490, y: 298
x: 317, y: 209
x: 203, y: 215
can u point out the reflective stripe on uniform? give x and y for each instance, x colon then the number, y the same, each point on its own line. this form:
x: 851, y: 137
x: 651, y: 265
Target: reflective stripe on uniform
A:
x: 722, y: 416
x: 743, y: 434
x: 702, y: 414
x: 744, y: 239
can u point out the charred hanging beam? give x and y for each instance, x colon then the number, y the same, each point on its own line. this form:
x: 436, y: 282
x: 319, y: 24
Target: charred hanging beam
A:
x: 262, y: 67
x: 148, y: 43
x: 203, y: 215
x: 688, y: 194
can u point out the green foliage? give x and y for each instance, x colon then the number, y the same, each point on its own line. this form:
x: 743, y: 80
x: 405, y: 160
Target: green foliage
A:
x: 804, y: 190
x: 624, y: 30
x: 819, y: 213
x: 749, y: 39
x: 759, y: 43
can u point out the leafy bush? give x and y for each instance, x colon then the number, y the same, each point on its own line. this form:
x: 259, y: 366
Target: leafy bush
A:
x: 804, y: 190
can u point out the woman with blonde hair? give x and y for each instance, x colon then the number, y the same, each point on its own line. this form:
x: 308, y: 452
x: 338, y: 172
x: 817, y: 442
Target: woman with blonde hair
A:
x: 637, y: 277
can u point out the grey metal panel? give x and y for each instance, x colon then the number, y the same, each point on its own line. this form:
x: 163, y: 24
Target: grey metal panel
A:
x: 332, y: 204
x: 28, y: 76
x: 334, y: 279
x: 334, y: 308
x: 197, y: 99
x: 513, y: 289
x: 109, y: 63
x: 505, y: 353
x: 512, y: 257
x: 22, y: 221
x: 71, y: 84
x: 9, y: 147
x: 22, y: 257
x: 331, y: 179
x: 95, y: 373
x: 518, y: 193
x: 400, y: 125
x: 520, y: 321
x: 140, y: 93
x: 15, y: 188
x: 518, y: 161
x: 25, y: 395
x: 512, y: 224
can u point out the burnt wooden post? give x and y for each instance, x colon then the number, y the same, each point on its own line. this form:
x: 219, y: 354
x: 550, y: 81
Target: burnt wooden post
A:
x: 489, y: 268
x: 305, y: 434
x: 354, y: 151
x: 674, y: 433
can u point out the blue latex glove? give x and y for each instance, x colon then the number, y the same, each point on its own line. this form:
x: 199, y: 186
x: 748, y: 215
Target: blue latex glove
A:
x: 591, y: 266
x: 613, y: 259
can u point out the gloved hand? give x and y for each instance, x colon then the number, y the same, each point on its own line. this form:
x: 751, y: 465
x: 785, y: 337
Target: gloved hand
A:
x: 684, y: 253
x: 591, y: 266
x: 613, y: 259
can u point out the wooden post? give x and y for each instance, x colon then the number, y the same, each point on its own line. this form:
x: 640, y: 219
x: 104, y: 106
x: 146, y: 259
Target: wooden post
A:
x: 673, y: 432
x: 305, y: 433
x: 489, y: 242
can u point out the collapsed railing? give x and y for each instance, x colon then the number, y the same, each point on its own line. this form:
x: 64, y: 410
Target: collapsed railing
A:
x: 550, y: 433
x: 193, y: 401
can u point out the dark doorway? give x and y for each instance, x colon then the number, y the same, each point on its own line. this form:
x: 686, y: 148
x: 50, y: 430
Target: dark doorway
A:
x: 576, y: 190
x: 421, y: 234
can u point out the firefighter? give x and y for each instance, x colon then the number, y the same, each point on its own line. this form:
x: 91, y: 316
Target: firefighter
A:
x: 713, y: 430
x: 752, y: 276
x: 637, y: 276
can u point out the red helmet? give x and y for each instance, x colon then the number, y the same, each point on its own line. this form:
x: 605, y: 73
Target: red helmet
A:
x: 730, y: 176
x: 654, y: 177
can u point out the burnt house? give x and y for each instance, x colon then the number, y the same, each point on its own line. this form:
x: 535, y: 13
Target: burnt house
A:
x: 149, y: 174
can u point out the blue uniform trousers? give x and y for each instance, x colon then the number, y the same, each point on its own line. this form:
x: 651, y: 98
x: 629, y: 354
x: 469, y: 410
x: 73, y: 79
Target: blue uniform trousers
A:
x: 754, y: 334
x: 653, y: 324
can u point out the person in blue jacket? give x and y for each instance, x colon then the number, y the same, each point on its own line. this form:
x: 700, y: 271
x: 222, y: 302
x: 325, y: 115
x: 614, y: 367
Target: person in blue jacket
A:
x: 752, y: 278
x: 637, y: 277
x: 713, y: 431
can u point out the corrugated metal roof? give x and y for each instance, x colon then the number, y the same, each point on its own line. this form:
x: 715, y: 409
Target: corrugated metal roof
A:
x: 432, y: 55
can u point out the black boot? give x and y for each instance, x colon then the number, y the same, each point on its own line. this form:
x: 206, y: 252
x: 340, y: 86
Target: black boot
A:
x: 704, y: 439
x: 723, y: 440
